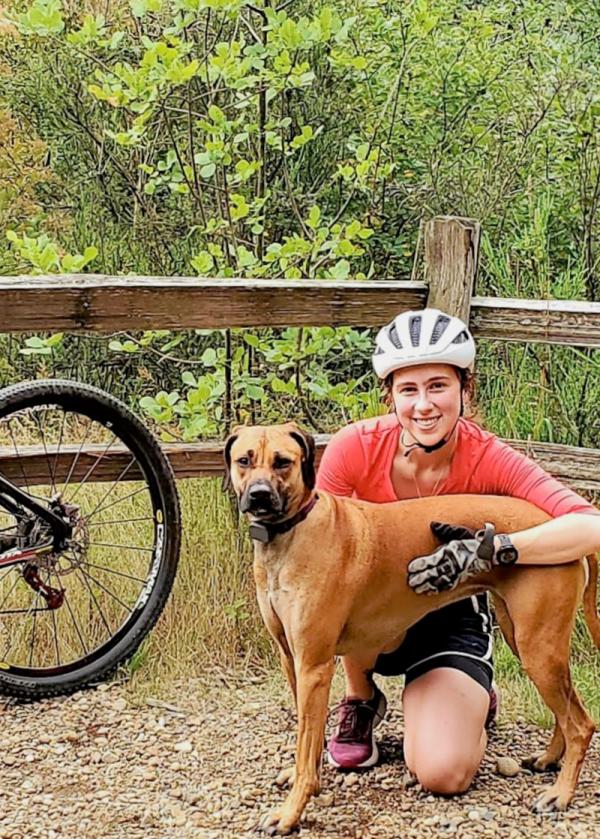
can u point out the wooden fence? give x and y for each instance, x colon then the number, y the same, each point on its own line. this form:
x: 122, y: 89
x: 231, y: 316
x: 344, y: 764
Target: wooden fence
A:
x: 101, y: 304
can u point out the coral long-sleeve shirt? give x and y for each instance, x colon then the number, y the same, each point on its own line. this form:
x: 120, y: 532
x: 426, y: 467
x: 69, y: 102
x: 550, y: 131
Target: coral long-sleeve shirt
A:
x: 358, y: 462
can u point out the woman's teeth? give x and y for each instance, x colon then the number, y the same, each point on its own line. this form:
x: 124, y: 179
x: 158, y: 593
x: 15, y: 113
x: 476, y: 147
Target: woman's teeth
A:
x: 426, y: 423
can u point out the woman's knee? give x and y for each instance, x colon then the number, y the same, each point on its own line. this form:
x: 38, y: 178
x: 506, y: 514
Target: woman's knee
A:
x: 444, y: 774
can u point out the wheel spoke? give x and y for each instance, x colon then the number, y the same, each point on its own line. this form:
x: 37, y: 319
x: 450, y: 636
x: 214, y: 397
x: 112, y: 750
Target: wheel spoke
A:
x: 91, y: 469
x: 113, y: 571
x: 18, y: 634
x: 93, y: 597
x: 111, y: 487
x: 53, y: 611
x: 108, y: 591
x: 33, y: 629
x: 121, y: 547
x: 119, y: 521
x: 60, y: 438
x: 11, y: 589
x: 75, y: 459
x: 74, y: 620
x: 120, y: 500
x: 37, y: 421
x: 18, y: 453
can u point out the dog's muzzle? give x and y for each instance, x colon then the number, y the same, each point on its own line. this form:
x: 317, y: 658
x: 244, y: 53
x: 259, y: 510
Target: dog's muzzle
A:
x: 261, y: 499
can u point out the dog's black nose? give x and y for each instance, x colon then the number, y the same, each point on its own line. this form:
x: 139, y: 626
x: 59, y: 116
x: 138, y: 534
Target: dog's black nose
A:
x: 259, y: 497
x: 260, y: 494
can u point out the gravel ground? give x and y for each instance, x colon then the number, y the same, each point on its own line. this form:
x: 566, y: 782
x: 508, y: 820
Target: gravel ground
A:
x: 95, y: 765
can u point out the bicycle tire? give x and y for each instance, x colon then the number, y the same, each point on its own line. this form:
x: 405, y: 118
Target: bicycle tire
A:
x: 102, y: 408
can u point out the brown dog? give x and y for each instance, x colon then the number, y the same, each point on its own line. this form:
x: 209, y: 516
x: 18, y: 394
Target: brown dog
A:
x: 334, y: 583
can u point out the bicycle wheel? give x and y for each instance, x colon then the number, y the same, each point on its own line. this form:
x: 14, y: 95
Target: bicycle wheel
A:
x: 88, y: 457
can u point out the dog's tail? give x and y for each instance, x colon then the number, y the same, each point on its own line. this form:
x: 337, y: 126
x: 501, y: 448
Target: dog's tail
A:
x: 590, y: 608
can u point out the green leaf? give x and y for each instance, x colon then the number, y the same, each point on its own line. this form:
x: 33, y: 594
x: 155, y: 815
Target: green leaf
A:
x: 340, y: 271
x: 42, y: 18
x: 362, y: 151
x: 216, y: 114
x: 239, y: 208
x: 255, y: 392
x: 188, y: 378
x: 203, y: 263
x: 140, y: 8
x: 245, y: 257
x: 314, y: 217
x: 207, y: 171
x: 209, y: 357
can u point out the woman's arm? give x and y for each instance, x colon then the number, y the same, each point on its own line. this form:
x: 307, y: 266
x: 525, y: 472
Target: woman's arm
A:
x: 573, y: 533
x: 341, y: 463
x: 570, y: 535
x: 564, y: 539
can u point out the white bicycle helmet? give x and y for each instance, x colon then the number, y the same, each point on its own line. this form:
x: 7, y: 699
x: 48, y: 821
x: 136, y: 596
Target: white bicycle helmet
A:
x: 422, y: 337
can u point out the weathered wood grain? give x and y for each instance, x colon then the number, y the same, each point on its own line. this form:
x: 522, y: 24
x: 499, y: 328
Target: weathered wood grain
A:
x: 577, y: 467
x: 451, y: 256
x: 572, y: 322
x: 95, y: 303
x: 110, y: 304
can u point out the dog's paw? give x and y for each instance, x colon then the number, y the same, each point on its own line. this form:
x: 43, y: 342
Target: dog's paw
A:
x: 275, y: 824
x: 286, y: 777
x: 540, y: 763
x: 552, y: 800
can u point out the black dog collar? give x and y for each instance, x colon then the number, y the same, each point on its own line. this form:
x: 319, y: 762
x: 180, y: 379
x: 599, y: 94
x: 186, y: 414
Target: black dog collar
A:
x: 266, y: 532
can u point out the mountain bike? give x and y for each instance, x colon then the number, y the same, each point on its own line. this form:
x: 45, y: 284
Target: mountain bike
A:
x: 89, y: 536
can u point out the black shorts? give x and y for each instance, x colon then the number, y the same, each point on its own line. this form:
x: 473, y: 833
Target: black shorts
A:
x: 458, y: 636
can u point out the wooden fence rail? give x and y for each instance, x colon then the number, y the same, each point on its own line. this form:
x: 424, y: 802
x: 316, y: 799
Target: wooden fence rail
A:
x: 580, y: 468
x: 99, y: 304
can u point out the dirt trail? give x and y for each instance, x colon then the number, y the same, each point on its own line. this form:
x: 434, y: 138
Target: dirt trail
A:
x: 94, y: 765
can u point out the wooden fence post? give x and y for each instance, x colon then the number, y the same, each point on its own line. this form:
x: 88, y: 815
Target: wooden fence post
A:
x: 451, y: 257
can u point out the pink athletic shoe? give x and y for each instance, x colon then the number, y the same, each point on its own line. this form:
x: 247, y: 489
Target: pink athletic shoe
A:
x: 353, y: 745
x: 494, y: 706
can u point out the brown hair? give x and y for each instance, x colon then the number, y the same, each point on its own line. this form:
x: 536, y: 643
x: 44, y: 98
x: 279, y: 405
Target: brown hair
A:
x: 467, y: 387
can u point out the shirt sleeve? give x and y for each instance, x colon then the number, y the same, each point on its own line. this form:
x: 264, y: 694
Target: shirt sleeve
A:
x: 341, y: 463
x: 508, y: 472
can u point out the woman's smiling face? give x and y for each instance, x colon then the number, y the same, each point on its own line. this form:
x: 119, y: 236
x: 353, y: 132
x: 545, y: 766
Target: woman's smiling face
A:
x: 427, y: 400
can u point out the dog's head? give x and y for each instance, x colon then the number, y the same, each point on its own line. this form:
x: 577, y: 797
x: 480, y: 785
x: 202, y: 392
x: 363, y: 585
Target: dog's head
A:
x: 271, y: 469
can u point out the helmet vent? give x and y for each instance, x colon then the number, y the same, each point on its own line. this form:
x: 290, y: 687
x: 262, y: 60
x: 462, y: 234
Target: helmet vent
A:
x: 461, y: 338
x: 414, y: 328
x: 379, y: 351
x: 439, y: 328
x: 393, y: 336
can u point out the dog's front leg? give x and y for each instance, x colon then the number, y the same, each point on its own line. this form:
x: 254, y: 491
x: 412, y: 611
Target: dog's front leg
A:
x: 313, y: 683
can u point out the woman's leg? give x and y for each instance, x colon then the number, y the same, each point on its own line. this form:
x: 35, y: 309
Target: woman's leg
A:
x: 358, y: 671
x: 444, y: 736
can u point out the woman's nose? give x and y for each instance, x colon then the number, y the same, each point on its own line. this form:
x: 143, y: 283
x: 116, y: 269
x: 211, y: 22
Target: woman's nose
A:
x: 423, y: 402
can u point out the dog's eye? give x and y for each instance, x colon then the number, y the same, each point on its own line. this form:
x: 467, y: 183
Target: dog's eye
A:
x: 282, y: 463
x: 243, y: 461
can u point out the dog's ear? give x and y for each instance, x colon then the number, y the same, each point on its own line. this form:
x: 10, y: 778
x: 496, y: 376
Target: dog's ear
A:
x: 307, y: 444
x: 227, y: 458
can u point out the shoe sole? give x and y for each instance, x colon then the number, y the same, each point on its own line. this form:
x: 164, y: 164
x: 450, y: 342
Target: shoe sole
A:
x: 374, y: 757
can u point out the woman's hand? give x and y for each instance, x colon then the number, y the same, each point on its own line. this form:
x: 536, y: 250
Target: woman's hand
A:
x: 466, y: 554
